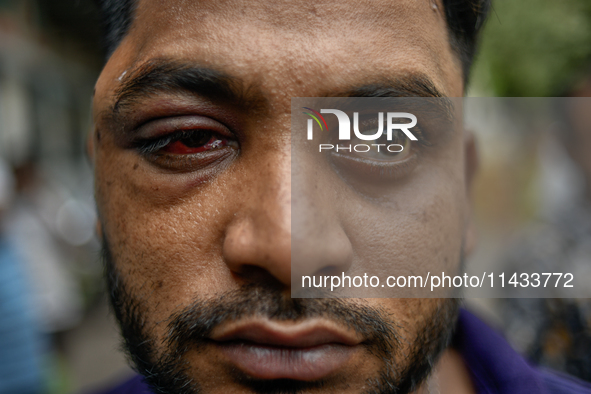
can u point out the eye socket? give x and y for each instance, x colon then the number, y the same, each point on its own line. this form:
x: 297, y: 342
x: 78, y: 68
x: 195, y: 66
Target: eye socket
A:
x: 375, y: 160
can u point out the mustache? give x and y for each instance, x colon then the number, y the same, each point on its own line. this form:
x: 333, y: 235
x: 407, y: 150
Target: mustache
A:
x: 193, y: 324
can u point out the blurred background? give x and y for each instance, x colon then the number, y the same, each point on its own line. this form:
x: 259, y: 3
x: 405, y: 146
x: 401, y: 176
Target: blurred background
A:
x: 55, y: 332
x: 531, y: 196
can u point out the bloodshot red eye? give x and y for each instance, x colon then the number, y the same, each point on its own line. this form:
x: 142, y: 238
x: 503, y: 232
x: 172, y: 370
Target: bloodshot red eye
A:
x: 195, y: 142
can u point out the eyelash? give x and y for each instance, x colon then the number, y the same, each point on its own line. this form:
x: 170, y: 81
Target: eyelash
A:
x: 151, y: 146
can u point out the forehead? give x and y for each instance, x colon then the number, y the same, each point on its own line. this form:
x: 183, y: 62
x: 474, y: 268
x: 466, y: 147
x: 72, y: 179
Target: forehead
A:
x: 294, y: 48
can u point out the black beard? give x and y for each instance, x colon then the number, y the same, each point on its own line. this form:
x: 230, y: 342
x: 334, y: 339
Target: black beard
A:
x: 189, y: 328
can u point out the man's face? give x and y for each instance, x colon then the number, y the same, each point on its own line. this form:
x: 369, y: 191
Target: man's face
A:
x: 193, y: 186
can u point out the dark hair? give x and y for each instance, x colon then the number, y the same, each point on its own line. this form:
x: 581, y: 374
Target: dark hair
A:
x: 465, y: 19
x: 116, y: 18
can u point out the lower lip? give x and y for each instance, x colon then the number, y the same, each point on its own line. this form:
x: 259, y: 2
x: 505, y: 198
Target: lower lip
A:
x: 268, y: 362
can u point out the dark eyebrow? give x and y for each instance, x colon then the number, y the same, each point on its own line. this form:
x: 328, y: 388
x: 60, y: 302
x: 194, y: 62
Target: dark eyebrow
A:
x: 413, y: 85
x: 417, y: 86
x: 163, y: 75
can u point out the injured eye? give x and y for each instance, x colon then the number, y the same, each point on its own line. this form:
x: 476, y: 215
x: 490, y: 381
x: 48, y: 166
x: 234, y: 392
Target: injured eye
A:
x: 194, y: 141
x: 185, y: 144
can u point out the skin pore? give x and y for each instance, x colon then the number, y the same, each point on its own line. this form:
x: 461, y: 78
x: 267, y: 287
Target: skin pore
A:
x: 192, y: 149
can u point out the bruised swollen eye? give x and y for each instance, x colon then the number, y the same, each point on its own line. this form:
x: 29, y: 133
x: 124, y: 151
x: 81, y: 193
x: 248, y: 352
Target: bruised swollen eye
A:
x: 186, y: 144
x: 182, y: 135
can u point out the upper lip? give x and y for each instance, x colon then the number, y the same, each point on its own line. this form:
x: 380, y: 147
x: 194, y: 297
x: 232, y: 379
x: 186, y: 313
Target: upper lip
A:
x: 304, y: 334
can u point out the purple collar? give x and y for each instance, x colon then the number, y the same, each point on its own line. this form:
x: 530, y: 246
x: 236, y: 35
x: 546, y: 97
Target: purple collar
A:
x: 498, y: 369
x: 495, y: 367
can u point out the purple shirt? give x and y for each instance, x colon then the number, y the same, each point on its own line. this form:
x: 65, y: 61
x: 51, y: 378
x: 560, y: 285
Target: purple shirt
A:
x: 494, y: 366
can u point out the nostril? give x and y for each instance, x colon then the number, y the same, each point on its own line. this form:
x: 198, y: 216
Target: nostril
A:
x: 254, y: 250
x: 329, y: 253
x: 249, y: 273
x: 331, y: 270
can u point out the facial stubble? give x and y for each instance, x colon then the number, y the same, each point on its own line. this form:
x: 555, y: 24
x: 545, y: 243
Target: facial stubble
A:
x: 167, y: 371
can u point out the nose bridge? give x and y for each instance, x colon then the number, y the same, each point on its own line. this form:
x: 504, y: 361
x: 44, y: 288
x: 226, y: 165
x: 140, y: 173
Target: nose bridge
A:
x: 271, y: 207
x: 260, y: 234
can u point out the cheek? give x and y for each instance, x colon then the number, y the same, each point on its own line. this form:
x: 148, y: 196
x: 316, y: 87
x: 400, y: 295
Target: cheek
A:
x: 412, y: 316
x: 416, y: 229
x: 156, y: 232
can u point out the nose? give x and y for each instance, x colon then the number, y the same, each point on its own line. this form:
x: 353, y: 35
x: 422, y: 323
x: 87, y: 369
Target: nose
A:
x: 257, y: 244
x: 320, y: 244
x: 280, y: 233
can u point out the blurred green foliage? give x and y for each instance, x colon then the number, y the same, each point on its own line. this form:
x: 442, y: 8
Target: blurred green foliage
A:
x: 533, y: 48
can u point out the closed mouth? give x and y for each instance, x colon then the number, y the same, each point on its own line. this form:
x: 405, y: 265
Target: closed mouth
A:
x: 306, y: 351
